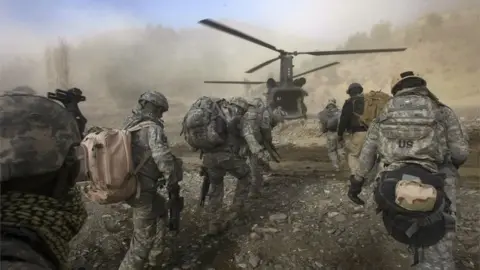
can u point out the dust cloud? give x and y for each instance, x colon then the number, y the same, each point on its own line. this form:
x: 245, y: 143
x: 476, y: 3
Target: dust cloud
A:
x: 113, y: 56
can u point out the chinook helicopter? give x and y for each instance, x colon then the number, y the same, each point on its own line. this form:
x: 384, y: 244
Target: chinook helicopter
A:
x: 287, y: 92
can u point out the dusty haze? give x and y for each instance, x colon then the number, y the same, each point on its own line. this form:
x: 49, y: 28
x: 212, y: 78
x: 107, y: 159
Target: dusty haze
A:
x: 113, y: 56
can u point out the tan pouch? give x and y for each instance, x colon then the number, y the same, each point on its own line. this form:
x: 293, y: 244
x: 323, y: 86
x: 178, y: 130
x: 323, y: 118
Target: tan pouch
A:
x: 413, y: 195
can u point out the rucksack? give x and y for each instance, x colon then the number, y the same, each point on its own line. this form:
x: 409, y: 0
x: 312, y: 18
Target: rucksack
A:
x: 374, y: 102
x: 204, y: 126
x: 415, y: 209
x: 330, y: 119
x: 110, y: 172
x: 410, y: 129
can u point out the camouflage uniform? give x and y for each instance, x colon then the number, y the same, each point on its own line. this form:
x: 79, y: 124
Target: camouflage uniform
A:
x: 223, y: 159
x: 38, y: 169
x: 335, y: 149
x: 257, y: 125
x: 454, y: 144
x: 149, y: 209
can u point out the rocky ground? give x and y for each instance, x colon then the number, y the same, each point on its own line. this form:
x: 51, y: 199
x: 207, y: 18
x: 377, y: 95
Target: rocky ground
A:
x: 303, y: 220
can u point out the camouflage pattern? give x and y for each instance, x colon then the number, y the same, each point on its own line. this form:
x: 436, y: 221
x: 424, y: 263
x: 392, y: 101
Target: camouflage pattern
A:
x: 277, y: 116
x: 454, y: 141
x: 149, y: 209
x: 258, y: 102
x: 37, y: 134
x: 412, y: 107
x: 22, y: 90
x: 336, y: 151
x: 149, y: 227
x: 250, y: 126
x: 218, y: 164
x: 240, y: 102
x: 156, y: 98
x: 228, y: 158
x: 354, y: 144
x: 439, y: 256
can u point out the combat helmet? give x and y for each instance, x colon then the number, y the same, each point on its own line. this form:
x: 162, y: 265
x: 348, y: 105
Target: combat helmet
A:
x: 22, y: 90
x: 399, y: 79
x: 37, y: 135
x: 156, y: 98
x: 332, y: 101
x: 240, y: 102
x: 354, y: 87
x: 258, y: 102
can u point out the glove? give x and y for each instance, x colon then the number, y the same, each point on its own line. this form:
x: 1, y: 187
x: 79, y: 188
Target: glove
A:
x: 354, y: 190
x: 265, y: 156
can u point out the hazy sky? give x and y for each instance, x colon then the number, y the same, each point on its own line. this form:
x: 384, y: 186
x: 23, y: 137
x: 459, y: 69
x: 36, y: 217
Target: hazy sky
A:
x: 326, y: 19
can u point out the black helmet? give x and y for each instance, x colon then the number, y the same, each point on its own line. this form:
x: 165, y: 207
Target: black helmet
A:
x: 354, y: 88
x: 405, y: 80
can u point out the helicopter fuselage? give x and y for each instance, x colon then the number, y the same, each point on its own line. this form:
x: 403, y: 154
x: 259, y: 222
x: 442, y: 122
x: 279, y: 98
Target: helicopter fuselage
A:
x: 290, y: 99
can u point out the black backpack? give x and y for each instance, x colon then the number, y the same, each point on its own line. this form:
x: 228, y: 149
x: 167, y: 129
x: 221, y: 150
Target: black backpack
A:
x: 417, y: 229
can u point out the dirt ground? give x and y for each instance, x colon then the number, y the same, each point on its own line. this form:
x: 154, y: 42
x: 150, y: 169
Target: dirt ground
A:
x: 303, y: 220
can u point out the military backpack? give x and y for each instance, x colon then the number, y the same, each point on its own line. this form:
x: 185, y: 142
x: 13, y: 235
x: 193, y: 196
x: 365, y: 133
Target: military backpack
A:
x: 374, y: 102
x: 204, y: 126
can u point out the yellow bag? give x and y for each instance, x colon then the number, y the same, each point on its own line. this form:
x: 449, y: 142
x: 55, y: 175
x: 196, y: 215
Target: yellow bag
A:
x: 374, y: 102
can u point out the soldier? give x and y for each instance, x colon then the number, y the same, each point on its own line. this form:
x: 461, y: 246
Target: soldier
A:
x: 227, y: 158
x: 350, y: 121
x: 329, y: 122
x: 257, y: 126
x: 41, y: 210
x: 444, y: 153
x: 149, y: 209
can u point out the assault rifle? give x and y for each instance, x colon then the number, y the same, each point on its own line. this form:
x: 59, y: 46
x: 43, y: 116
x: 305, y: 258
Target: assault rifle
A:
x: 205, y: 185
x: 272, y: 151
x: 70, y: 99
x: 175, y: 207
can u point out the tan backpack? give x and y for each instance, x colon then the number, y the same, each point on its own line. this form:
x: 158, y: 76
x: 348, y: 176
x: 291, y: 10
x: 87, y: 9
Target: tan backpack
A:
x: 110, y: 173
x: 374, y: 102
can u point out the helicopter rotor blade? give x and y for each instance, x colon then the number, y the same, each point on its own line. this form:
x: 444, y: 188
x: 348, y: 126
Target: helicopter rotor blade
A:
x: 233, y: 82
x: 340, y: 52
x: 257, y: 67
x: 226, y: 29
x: 315, y: 69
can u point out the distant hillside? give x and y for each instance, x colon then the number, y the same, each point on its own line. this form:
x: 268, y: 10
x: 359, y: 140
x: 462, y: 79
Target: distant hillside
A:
x: 443, y: 48
x: 114, y: 67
